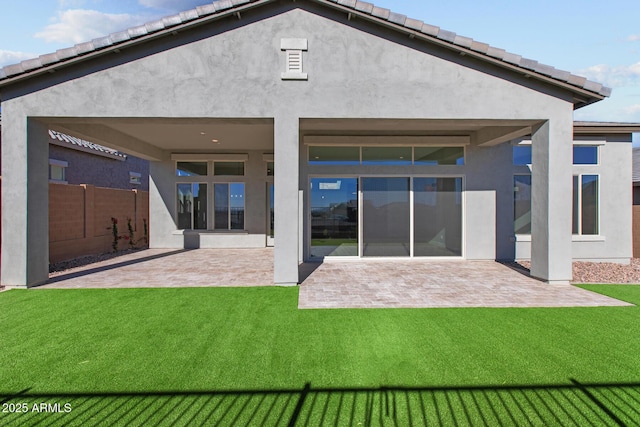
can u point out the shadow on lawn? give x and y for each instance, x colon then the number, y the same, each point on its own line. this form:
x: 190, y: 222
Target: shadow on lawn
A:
x: 571, y: 404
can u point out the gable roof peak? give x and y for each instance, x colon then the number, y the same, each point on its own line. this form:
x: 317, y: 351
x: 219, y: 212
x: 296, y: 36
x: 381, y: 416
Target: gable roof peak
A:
x: 449, y: 39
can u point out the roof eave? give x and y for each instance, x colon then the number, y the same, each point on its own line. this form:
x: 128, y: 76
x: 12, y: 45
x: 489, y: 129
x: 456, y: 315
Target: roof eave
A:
x: 117, y: 47
x: 582, y: 96
x: 606, y: 128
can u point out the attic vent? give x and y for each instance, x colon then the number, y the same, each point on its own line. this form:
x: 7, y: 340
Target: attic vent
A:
x: 293, y: 49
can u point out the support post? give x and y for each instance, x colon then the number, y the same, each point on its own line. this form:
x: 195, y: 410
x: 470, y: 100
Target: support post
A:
x: 286, y: 221
x: 25, y: 201
x: 552, y: 146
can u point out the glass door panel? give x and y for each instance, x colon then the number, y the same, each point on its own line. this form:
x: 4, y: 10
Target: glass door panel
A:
x: 200, y: 206
x: 334, y: 217
x: 236, y: 205
x: 386, y: 217
x: 185, y: 206
x: 221, y: 206
x: 270, y: 214
x: 437, y: 216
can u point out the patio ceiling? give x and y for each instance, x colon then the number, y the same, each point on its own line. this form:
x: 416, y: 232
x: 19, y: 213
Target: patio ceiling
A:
x: 154, y: 138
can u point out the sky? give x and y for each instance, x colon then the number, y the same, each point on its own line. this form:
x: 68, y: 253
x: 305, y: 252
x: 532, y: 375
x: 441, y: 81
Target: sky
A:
x: 591, y: 38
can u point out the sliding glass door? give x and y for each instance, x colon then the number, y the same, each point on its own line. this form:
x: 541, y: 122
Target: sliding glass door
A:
x: 386, y: 222
x: 437, y: 204
x: 386, y: 216
x: 334, y: 217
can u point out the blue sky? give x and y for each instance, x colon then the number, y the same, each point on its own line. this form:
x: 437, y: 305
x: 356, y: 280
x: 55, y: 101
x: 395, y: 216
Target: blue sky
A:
x: 600, y: 41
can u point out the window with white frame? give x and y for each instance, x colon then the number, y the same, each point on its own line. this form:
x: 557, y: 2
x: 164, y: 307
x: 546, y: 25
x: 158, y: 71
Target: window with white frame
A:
x: 203, y: 187
x: 135, y: 178
x: 585, y: 154
x: 586, y: 204
x: 386, y: 155
x: 522, y: 204
x: 192, y: 206
x: 582, y: 154
x: 228, y: 202
x: 57, y: 171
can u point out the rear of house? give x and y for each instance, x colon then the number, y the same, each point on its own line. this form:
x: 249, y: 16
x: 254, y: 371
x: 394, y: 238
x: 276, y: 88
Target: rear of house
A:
x: 329, y: 130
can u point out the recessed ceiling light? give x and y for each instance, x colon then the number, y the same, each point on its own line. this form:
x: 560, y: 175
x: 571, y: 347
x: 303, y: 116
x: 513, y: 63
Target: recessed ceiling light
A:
x: 317, y: 157
x: 215, y: 141
x: 202, y: 133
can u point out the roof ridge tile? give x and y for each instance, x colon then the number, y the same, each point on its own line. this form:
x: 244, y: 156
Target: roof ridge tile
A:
x: 364, y: 7
x: 380, y: 12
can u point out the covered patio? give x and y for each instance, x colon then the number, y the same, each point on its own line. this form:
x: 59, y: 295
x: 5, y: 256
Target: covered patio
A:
x: 335, y: 284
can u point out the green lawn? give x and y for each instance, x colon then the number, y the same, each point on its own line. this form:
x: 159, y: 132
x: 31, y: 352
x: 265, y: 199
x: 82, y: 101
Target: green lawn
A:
x: 248, y: 356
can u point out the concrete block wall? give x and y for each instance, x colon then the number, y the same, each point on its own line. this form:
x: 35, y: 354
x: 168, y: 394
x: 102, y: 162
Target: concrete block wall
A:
x: 66, y: 212
x: 80, y: 219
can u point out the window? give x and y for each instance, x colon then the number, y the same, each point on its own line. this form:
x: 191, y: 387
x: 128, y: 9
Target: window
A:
x: 57, y: 171
x: 522, y: 204
x: 439, y: 156
x: 191, y: 169
x: 135, y: 178
x: 586, y: 204
x: 334, y: 155
x: 386, y: 156
x: 192, y: 206
x: 228, y: 200
x: 522, y: 154
x: 585, y: 155
x: 437, y: 204
x: 582, y: 154
x: 228, y: 168
x: 270, y: 168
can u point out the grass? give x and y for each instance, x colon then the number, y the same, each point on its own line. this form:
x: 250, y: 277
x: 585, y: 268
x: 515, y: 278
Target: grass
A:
x: 248, y: 356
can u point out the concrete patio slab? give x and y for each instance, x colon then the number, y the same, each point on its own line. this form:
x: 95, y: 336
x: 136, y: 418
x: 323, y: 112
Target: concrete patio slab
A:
x: 170, y: 268
x: 335, y: 284
x: 432, y: 284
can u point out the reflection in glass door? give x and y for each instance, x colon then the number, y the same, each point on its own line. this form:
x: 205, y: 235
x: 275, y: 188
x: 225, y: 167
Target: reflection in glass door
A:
x: 437, y: 216
x: 270, y: 214
x: 386, y: 212
x: 334, y: 217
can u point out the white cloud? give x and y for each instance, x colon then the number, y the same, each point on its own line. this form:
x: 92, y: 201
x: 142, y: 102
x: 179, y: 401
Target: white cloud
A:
x: 8, y: 57
x: 633, y: 111
x: 173, y: 5
x: 80, y: 25
x: 618, y: 76
x: 70, y: 3
x: 633, y: 37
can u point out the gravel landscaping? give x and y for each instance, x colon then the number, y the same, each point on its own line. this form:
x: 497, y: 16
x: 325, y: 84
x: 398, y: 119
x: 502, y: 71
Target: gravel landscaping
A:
x: 599, y: 272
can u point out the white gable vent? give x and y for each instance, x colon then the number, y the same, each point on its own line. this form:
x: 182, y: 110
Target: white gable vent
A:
x: 293, y: 49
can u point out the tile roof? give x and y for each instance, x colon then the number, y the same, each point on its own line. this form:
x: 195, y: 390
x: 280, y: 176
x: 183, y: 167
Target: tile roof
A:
x: 367, y: 10
x: 85, y: 145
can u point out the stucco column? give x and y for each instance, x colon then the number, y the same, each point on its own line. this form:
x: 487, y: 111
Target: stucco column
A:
x: 25, y: 201
x: 286, y: 238
x: 551, y: 188
x: 162, y: 205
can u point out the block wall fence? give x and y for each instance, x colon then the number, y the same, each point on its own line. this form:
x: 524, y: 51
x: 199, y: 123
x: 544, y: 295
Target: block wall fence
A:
x: 80, y: 219
x: 636, y: 231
